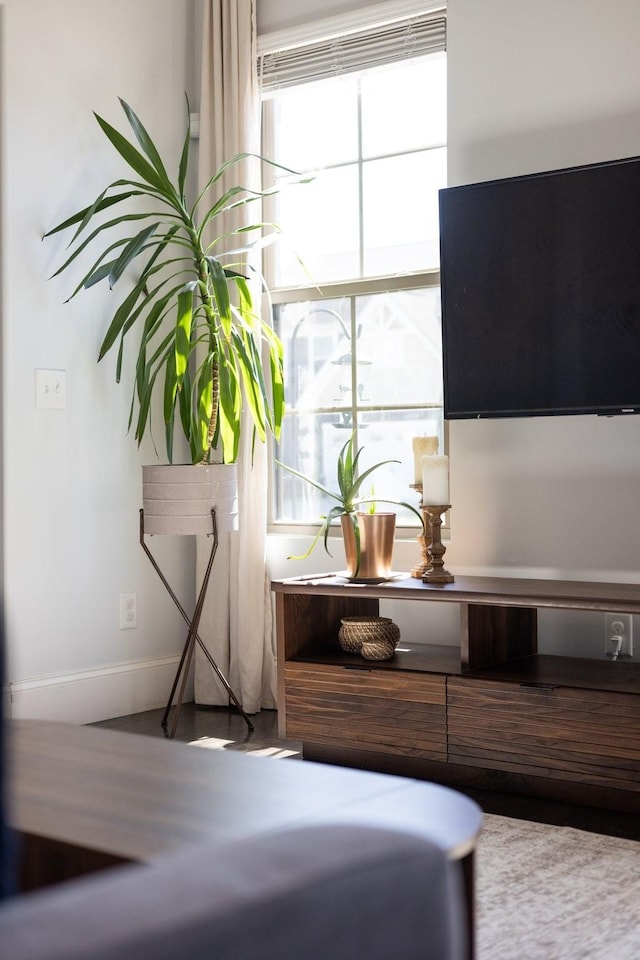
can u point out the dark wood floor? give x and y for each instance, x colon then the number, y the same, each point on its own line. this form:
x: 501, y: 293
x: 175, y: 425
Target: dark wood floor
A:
x: 196, y: 723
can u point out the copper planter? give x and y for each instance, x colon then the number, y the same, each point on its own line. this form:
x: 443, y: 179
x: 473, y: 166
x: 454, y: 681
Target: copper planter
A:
x: 376, y: 546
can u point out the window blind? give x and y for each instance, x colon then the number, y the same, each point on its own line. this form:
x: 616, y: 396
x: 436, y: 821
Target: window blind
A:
x: 373, y: 47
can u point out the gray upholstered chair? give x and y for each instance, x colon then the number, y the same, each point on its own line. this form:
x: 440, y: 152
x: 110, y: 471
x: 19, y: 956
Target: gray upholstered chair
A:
x: 323, y: 893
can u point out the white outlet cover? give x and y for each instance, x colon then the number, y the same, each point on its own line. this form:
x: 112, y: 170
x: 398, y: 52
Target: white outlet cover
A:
x: 128, y: 611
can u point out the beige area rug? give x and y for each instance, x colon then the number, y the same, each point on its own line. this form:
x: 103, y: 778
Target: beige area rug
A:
x: 555, y: 893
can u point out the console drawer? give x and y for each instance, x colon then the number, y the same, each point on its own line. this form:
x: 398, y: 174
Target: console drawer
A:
x: 563, y: 733
x: 384, y: 711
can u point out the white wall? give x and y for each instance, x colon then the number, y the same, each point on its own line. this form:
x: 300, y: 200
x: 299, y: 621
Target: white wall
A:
x: 275, y: 15
x: 72, y: 477
x: 534, y: 86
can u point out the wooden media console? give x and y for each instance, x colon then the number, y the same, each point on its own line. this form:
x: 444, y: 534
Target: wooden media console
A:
x: 490, y: 713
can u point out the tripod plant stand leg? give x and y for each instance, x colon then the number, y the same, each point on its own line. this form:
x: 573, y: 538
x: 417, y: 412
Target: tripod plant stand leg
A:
x: 192, y: 636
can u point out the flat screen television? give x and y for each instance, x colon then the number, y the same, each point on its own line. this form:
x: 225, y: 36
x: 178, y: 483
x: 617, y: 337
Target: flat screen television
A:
x: 541, y: 293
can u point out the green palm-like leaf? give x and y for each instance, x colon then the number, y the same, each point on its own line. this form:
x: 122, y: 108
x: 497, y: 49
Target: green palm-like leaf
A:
x: 130, y: 252
x: 170, y: 382
x: 145, y: 406
x: 220, y: 293
x: 182, y: 298
x: 183, y: 330
x: 184, y: 403
x: 98, y: 274
x: 152, y: 325
x: 147, y: 144
x: 83, y: 216
x: 168, y: 439
x: 199, y: 438
x: 87, y: 240
x: 184, y: 156
x: 132, y: 156
x: 248, y: 364
x: 120, y: 318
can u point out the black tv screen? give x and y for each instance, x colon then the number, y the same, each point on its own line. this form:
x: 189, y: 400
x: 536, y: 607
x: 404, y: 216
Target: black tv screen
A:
x: 541, y: 293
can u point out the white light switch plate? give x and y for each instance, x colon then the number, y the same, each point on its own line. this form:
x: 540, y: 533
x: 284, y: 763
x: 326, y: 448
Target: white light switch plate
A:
x: 51, y: 389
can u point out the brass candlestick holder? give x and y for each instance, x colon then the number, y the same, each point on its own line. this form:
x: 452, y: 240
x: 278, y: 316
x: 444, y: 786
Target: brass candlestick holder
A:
x: 436, y: 572
x: 424, y: 539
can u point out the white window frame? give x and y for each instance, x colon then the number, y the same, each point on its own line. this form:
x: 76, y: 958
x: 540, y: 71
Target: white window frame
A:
x: 337, y: 27
x: 351, y: 290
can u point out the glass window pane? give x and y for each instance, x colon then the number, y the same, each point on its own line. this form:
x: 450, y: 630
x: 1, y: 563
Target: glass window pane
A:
x: 319, y: 222
x: 316, y: 124
x: 310, y: 443
x: 316, y: 338
x: 388, y: 436
x: 401, y: 340
x: 337, y: 373
x: 401, y: 223
x: 404, y: 107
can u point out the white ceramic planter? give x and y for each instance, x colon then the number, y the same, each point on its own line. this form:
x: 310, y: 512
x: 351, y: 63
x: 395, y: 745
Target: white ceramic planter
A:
x: 177, y: 499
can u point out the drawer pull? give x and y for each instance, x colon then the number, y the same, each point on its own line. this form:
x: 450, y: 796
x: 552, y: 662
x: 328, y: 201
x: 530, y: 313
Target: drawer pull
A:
x: 532, y: 685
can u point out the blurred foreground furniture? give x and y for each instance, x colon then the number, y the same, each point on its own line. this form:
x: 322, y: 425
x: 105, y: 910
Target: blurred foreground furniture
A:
x: 319, y: 892
x: 271, y: 853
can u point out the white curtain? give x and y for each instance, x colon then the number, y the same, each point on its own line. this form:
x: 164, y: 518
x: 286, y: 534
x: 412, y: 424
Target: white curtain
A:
x: 236, y: 622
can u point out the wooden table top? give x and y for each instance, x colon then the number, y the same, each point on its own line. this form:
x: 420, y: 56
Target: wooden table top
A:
x: 138, y: 797
x: 495, y: 591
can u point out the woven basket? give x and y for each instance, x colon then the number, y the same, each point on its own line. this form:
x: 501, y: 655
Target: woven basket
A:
x: 375, y: 638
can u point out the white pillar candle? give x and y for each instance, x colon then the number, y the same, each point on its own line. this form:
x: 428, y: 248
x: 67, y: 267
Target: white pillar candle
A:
x: 422, y: 447
x: 435, y: 480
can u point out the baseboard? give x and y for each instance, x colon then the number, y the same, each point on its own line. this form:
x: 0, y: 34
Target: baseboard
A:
x: 100, y: 694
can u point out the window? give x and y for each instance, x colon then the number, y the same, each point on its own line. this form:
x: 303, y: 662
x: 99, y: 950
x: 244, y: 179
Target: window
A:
x: 359, y: 315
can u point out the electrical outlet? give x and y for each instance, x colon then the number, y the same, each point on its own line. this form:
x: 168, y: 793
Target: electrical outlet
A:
x: 128, y: 611
x: 618, y: 635
x: 51, y: 389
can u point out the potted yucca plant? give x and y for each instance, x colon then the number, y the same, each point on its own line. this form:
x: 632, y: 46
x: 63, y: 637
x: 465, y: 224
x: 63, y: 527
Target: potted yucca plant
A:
x: 368, y: 533
x: 200, y: 336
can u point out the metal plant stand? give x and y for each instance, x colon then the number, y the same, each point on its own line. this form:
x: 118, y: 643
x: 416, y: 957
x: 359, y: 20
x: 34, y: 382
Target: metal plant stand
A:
x: 182, y: 672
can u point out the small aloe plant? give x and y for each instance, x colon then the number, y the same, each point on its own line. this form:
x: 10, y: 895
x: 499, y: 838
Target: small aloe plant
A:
x: 348, y: 497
